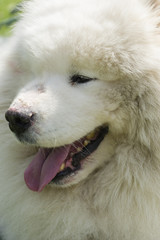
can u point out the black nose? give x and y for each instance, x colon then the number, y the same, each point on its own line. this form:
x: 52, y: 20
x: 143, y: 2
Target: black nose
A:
x: 19, y: 122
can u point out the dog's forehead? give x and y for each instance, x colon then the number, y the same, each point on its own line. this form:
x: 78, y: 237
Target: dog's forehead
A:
x: 82, y: 34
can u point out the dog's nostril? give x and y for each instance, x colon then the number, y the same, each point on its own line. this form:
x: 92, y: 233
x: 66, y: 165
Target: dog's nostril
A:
x: 18, y: 121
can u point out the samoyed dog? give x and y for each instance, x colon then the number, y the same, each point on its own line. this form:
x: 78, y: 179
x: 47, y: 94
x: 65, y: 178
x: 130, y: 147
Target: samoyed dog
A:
x: 80, y: 92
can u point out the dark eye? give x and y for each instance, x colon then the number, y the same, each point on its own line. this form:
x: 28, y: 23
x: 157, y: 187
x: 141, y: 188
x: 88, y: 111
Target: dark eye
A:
x: 78, y: 79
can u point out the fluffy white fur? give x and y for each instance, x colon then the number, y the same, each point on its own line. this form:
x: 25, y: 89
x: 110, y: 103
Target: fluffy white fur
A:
x: 117, y: 194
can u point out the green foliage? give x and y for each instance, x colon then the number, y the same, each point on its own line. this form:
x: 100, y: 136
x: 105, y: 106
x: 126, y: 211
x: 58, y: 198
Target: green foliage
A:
x: 8, y: 15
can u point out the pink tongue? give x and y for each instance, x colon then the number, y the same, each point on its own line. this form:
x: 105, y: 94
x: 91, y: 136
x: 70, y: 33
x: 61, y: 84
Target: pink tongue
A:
x: 44, y: 167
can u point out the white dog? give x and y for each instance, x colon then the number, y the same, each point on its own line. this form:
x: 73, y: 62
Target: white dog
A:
x: 81, y: 82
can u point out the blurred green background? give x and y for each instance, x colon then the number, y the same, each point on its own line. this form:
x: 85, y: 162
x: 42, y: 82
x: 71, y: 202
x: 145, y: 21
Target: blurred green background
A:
x: 8, y: 15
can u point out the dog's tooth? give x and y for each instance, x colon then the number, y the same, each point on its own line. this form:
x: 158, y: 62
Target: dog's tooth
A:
x: 62, y: 167
x: 79, y: 149
x: 86, y: 142
x: 91, y: 135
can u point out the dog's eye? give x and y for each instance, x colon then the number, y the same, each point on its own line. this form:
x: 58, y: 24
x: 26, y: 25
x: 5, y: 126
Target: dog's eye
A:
x: 78, y: 79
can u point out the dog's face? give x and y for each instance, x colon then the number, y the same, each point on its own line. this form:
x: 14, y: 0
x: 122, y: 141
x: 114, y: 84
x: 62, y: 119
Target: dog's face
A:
x: 79, y: 68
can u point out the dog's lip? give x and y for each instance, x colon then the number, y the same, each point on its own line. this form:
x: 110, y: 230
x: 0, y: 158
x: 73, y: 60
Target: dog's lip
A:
x: 79, y: 157
x: 47, y: 164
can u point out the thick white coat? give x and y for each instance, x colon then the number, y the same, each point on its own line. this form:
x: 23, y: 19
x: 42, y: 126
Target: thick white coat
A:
x: 116, y: 196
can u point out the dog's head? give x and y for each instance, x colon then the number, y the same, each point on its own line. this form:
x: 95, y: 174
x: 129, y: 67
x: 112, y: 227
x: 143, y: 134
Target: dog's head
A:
x: 84, y: 68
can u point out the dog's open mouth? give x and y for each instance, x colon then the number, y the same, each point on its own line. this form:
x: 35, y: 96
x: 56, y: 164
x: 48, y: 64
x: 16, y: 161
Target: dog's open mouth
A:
x: 54, y: 164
